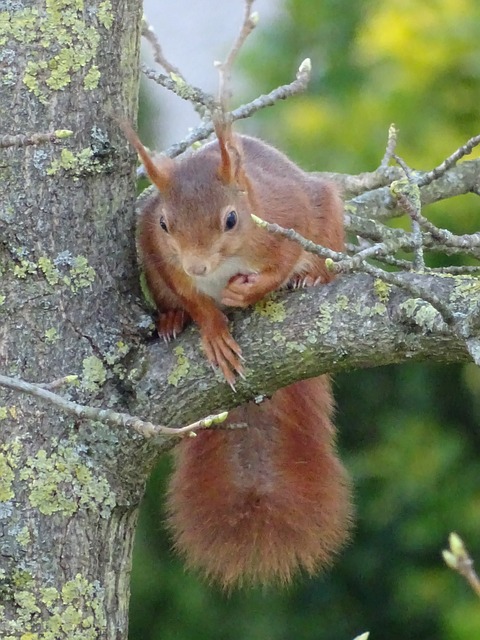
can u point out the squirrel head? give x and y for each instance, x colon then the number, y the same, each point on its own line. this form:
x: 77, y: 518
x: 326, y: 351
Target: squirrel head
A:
x: 204, y: 209
x: 205, y: 213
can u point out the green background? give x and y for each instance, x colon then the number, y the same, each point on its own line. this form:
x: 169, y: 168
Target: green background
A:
x: 408, y: 435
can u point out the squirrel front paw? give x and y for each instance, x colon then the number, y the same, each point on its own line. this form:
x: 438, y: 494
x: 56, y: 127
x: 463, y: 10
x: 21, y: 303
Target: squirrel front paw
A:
x: 241, y: 291
x: 170, y: 323
x: 222, y: 351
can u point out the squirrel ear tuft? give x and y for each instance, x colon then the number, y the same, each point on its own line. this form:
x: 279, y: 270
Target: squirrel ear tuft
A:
x: 159, y: 171
x: 230, y: 170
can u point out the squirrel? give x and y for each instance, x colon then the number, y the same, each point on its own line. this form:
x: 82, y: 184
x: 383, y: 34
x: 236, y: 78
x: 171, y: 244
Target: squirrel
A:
x: 253, y: 505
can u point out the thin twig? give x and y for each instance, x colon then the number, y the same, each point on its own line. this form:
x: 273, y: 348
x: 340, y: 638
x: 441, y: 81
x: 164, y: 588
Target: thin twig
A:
x: 376, y: 231
x: 107, y: 416
x: 400, y: 265
x: 346, y: 264
x: 56, y: 384
x: 373, y: 252
x: 308, y: 245
x: 177, y: 85
x: 444, y: 236
x: 455, y: 270
x: 444, y: 310
x: 458, y: 559
x: 149, y: 34
x: 21, y: 140
x: 406, y: 265
x: 175, y: 80
x: 245, y: 111
x: 409, y: 200
x: 225, y: 68
x: 391, y: 144
x: 449, y: 162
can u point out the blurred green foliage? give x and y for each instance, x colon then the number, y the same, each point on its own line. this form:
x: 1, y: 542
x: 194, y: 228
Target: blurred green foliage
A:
x: 409, y: 435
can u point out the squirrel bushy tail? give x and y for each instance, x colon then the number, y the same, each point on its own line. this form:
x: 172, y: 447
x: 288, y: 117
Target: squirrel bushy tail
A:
x: 254, y: 505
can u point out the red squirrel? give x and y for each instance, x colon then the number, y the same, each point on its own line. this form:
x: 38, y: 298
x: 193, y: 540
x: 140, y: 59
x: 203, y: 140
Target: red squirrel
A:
x: 249, y: 505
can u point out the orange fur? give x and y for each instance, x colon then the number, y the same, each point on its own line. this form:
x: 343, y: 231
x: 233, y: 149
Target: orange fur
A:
x: 256, y: 504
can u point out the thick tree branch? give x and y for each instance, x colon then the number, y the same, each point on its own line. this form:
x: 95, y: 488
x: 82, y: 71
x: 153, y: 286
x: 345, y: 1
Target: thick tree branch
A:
x: 357, y: 321
x: 379, y: 204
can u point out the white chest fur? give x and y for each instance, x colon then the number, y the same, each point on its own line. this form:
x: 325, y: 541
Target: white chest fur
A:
x: 213, y: 284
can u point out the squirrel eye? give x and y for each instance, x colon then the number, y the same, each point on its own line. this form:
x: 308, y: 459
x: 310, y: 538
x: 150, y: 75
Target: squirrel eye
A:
x: 163, y: 224
x: 230, y: 220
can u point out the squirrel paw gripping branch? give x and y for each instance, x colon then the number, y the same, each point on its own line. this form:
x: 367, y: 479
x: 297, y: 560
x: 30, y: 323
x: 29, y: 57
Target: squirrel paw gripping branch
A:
x: 257, y: 504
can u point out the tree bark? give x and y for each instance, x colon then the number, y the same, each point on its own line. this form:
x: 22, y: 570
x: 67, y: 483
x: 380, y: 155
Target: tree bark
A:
x: 70, y: 489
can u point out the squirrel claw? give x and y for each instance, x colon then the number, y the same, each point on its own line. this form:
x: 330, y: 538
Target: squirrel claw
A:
x: 170, y: 323
x: 301, y: 282
x: 223, y: 352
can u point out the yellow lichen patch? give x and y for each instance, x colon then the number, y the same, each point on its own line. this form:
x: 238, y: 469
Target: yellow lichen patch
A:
x: 49, y: 270
x: 75, y: 610
x: 466, y: 287
x: 51, y: 336
x: 64, y: 483
x: 62, y: 42
x: 8, y: 412
x: 23, y: 537
x: 181, y: 367
x: 377, y: 309
x: 407, y: 189
x: 369, y: 311
x: 421, y: 312
x: 81, y: 274
x: 76, y: 274
x: 92, y: 77
x: 382, y: 290
x: 323, y: 322
x: 9, y: 460
x: 94, y: 373
x: 105, y: 14
x: 274, y: 311
x: 295, y: 347
x: 76, y: 164
x: 6, y: 479
x: 24, y: 268
x: 117, y: 352
x: 278, y: 337
x: 342, y: 303
x: 146, y: 291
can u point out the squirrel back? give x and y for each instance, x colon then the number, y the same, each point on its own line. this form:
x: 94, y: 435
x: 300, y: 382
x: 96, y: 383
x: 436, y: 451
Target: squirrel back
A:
x: 248, y: 505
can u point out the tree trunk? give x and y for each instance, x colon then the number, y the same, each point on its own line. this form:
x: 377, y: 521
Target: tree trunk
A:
x: 69, y: 489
